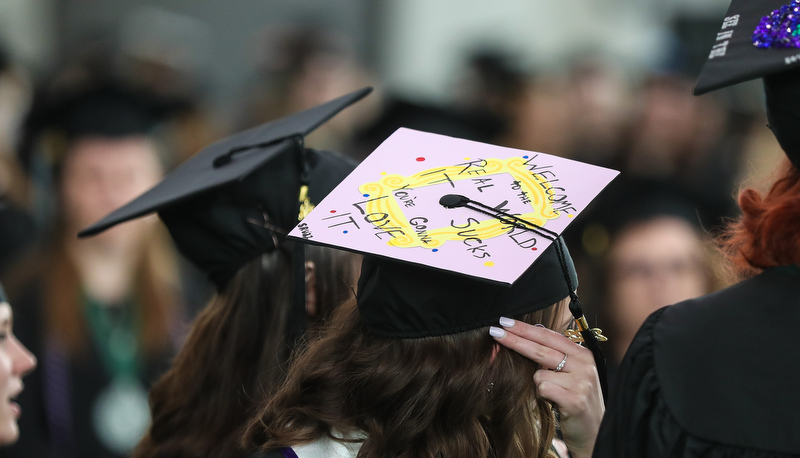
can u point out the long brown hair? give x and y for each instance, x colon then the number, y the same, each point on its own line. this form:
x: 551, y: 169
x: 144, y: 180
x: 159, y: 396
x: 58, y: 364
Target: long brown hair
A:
x: 235, y: 354
x: 155, y: 288
x: 768, y: 232
x: 429, y: 397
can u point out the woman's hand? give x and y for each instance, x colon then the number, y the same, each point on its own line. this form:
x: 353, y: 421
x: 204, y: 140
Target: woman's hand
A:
x: 568, y: 379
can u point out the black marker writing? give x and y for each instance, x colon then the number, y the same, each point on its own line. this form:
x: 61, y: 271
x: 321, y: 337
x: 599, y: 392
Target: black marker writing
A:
x: 349, y: 220
x: 446, y: 177
x: 523, y: 238
x: 404, y: 197
x: 481, y: 182
x: 358, y: 204
x: 305, y: 231
x: 471, y: 239
x: 381, y: 221
x: 421, y: 229
x: 478, y: 165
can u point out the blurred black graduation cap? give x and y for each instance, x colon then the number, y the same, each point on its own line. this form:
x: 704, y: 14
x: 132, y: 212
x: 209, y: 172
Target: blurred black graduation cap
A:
x: 238, y: 197
x: 761, y: 39
x: 105, y: 108
x: 3, y: 297
x: 110, y: 111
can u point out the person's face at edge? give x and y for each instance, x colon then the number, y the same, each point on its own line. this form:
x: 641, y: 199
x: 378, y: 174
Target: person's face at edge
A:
x: 15, y: 362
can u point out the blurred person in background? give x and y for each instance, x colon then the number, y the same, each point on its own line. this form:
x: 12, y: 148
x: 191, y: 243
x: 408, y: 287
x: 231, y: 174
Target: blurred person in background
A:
x: 663, y: 138
x: 301, y: 67
x: 103, y: 314
x: 683, y: 140
x: 15, y: 363
x: 488, y: 92
x: 18, y: 229
x: 168, y: 54
x: 477, y: 114
x: 542, y: 118
x: 657, y: 256
x: 601, y: 101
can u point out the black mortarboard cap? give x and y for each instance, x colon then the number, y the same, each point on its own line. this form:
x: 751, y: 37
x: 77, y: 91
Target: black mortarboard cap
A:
x: 238, y: 197
x: 108, y: 109
x: 3, y: 297
x: 455, y: 233
x: 755, y: 39
x: 783, y: 111
x: 761, y: 39
x: 402, y: 300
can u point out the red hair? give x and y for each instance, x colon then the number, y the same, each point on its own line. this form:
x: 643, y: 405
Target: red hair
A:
x: 768, y: 232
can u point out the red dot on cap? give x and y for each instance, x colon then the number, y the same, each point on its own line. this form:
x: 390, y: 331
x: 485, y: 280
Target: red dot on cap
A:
x: 333, y: 211
x: 534, y: 248
x: 420, y: 159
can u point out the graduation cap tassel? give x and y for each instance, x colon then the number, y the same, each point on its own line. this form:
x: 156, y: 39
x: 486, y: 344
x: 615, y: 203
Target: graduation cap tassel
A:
x: 298, y: 313
x: 590, y: 336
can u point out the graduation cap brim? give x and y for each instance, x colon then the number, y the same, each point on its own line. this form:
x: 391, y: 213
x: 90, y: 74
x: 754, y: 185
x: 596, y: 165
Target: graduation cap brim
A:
x: 734, y: 58
x: 227, y: 161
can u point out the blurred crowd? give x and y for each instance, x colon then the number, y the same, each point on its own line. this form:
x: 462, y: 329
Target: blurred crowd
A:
x: 105, y: 315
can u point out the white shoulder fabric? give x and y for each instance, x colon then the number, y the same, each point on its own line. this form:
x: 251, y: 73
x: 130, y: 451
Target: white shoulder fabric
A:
x: 327, y: 448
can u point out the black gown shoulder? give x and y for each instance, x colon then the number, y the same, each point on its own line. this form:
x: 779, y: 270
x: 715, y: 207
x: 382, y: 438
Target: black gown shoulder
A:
x: 716, y: 376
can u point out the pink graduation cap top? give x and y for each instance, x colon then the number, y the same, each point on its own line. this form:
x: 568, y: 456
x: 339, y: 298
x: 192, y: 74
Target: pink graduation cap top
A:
x: 389, y: 205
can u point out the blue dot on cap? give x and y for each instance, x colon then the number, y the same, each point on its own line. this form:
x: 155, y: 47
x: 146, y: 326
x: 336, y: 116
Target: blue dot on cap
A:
x: 435, y: 250
x: 366, y: 195
x: 524, y: 157
x: 344, y: 232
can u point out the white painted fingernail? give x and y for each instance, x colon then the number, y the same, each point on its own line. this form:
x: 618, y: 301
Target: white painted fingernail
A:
x: 540, y: 325
x: 496, y: 332
x: 506, y: 322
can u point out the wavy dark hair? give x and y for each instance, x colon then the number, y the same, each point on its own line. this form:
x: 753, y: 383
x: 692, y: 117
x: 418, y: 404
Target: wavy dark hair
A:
x: 235, y: 354
x: 766, y: 234
x: 427, y: 397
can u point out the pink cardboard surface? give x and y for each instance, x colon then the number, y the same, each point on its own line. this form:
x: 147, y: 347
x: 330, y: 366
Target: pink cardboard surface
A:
x: 389, y: 206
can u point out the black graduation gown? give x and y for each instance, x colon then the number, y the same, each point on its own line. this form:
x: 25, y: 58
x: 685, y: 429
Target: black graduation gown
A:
x: 717, y: 376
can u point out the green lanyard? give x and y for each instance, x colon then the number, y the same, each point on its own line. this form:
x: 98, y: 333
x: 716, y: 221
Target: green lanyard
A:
x: 114, y: 329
